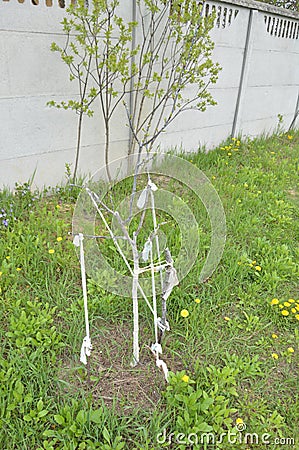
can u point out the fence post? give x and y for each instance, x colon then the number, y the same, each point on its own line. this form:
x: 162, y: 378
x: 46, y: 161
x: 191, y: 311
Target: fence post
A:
x: 244, y: 72
x: 296, y: 114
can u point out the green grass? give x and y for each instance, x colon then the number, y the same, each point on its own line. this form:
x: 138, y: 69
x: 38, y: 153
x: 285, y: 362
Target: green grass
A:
x: 234, y: 357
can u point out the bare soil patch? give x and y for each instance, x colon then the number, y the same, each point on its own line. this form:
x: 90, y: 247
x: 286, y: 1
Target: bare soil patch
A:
x: 109, y: 375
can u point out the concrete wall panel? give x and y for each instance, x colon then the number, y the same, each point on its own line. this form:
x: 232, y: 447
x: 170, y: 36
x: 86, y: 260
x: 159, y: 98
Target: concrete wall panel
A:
x: 257, y: 46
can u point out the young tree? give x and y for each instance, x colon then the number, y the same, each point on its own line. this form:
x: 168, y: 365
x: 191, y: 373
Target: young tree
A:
x: 97, y: 52
x: 173, y: 66
x: 158, y: 65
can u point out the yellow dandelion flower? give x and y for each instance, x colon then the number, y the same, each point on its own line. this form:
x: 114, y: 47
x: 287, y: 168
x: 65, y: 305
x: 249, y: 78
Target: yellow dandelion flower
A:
x: 239, y: 421
x: 18, y: 269
x: 184, y: 313
x: 291, y: 350
x: 227, y: 318
x: 290, y: 136
x: 297, y: 307
x: 238, y: 143
x: 1, y: 273
x: 297, y: 316
x: 59, y: 239
x: 287, y: 304
x: 284, y: 312
x: 51, y: 251
x: 253, y: 262
x: 197, y: 300
x: 7, y: 257
x: 280, y: 306
x: 274, y: 336
x: 58, y: 206
x: 229, y: 154
x: 291, y: 300
x: 258, y: 268
x: 272, y: 153
x: 213, y: 177
x: 185, y: 378
x: 234, y: 139
x: 294, y: 310
x: 275, y: 301
x: 274, y: 355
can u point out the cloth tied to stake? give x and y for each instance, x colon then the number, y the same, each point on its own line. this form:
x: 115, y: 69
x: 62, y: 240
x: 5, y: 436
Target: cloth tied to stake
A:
x: 162, y: 365
x: 85, y: 350
x: 163, y: 326
x: 171, y: 281
x: 157, y: 349
x: 146, y: 250
x: 143, y: 196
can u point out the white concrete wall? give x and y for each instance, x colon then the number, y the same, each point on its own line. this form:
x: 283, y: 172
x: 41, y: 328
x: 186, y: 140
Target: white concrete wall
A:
x: 33, y: 136
x: 273, y: 75
x: 270, y: 76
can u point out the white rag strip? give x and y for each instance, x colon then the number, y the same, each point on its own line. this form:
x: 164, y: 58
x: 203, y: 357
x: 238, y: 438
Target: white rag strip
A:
x: 157, y: 349
x: 172, y: 281
x: 143, y: 196
x: 162, y: 365
x: 146, y: 250
x: 86, y: 344
x: 85, y: 350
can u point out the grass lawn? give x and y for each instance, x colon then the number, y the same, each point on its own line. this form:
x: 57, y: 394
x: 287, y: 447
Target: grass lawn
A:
x: 234, y: 357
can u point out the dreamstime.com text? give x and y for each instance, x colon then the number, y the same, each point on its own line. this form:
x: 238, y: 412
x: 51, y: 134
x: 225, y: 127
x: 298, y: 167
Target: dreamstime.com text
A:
x: 229, y: 437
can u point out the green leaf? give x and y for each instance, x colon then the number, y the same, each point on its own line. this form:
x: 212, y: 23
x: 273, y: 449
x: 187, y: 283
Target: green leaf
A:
x: 49, y: 433
x: 73, y: 428
x: 96, y: 416
x: 94, y: 378
x: 81, y: 417
x: 43, y: 413
x: 11, y: 406
x: 120, y: 445
x: 38, y: 336
x: 106, y: 435
x: 204, y: 427
x: 206, y: 404
x: 54, y: 47
x: 27, y: 418
x: 40, y: 405
x: 180, y: 422
x: 59, y: 419
x: 28, y: 398
x: 19, y: 387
